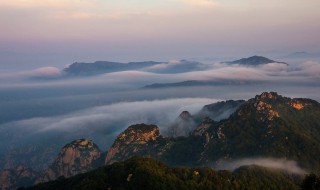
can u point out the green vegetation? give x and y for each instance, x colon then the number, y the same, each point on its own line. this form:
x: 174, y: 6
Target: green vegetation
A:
x: 145, y: 173
x: 311, y: 182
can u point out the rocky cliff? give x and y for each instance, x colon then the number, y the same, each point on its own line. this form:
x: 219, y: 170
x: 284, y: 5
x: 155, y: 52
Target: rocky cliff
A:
x: 137, y: 140
x: 76, y: 157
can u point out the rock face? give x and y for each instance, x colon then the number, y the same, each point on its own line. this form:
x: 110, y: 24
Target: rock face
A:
x: 137, y: 140
x: 17, y: 177
x: 76, y: 157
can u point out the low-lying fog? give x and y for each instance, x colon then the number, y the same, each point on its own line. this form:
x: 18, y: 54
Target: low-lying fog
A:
x: 42, y: 106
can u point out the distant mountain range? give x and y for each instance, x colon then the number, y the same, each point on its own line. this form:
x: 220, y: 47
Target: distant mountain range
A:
x: 266, y: 126
x: 191, y: 83
x: 100, y: 67
x: 181, y: 66
x: 254, y: 61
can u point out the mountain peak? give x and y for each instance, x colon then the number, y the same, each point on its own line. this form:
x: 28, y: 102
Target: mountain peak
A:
x: 185, y: 115
x: 140, y: 133
x: 268, y: 95
x: 134, y: 140
x: 254, y: 60
x: 76, y: 157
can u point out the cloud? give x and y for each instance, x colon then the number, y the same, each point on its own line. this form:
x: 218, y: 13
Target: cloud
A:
x: 274, y: 163
x: 310, y: 68
x: 173, y: 71
x: 177, y: 66
x: 46, y: 72
x: 103, y: 123
x: 274, y: 67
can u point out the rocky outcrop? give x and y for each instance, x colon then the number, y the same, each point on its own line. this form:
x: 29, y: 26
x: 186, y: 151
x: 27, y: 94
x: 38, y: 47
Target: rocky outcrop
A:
x: 136, y: 140
x: 16, y: 177
x: 203, y: 127
x: 76, y: 157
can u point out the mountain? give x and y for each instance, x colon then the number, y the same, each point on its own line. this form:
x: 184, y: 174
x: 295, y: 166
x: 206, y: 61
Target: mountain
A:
x: 183, y: 125
x: 79, y: 156
x: 76, y: 157
x: 100, y: 67
x: 220, y: 110
x: 275, y: 129
x: 137, y: 140
x: 254, y: 61
x: 16, y: 177
x: 186, y: 123
x: 145, y: 173
x: 268, y: 125
x: 191, y: 83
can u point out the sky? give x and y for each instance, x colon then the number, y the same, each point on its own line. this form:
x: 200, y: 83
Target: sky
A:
x: 38, y: 33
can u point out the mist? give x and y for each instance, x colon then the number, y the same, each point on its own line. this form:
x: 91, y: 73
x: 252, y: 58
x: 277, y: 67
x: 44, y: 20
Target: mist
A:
x: 289, y: 166
x: 102, y: 124
x: 46, y: 109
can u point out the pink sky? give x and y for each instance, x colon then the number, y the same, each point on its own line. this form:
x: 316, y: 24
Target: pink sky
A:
x: 52, y: 32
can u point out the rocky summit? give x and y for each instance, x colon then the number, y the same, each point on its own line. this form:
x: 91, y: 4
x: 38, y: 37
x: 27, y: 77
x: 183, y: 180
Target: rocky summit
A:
x: 76, y: 157
x: 137, y: 140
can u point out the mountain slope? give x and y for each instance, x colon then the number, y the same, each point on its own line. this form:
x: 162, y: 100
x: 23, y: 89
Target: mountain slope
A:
x: 145, y: 173
x: 183, y: 125
x: 268, y: 125
x: 16, y: 177
x: 220, y: 110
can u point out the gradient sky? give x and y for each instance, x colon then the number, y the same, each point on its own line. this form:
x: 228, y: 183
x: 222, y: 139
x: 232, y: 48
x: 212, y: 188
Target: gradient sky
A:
x: 37, y: 33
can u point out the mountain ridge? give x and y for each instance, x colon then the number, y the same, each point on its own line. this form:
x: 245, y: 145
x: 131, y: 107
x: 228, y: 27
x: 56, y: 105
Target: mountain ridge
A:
x: 254, y: 61
x: 268, y: 125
